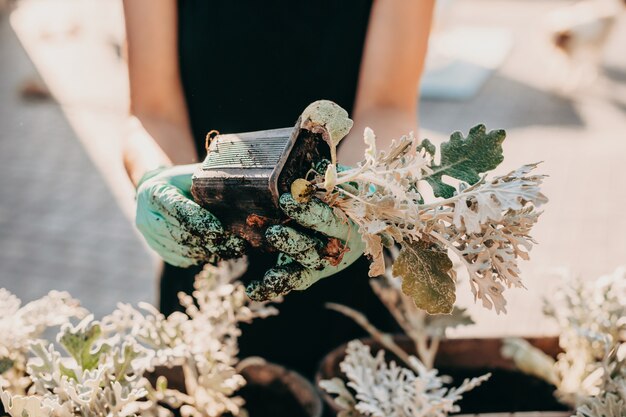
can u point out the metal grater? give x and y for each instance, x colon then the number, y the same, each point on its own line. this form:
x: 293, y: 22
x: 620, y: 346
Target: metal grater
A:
x: 244, y: 174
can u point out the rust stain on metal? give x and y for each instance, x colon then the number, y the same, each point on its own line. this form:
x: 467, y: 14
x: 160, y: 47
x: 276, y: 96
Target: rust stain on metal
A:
x: 333, y: 251
x: 255, y: 220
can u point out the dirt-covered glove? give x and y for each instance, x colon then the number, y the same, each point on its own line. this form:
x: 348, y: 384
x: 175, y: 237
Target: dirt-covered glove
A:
x: 178, y: 229
x: 304, y: 258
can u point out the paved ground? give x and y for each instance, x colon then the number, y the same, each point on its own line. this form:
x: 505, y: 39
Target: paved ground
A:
x: 580, y: 136
x: 60, y: 225
x: 64, y: 216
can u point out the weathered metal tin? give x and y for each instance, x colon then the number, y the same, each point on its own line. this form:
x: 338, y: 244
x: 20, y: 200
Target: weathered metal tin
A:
x: 244, y: 174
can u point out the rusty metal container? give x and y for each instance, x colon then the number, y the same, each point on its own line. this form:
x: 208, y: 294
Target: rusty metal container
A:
x: 244, y: 174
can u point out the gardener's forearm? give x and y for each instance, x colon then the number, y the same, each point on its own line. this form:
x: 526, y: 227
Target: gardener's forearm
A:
x: 387, y: 122
x: 152, y: 142
x: 391, y: 67
x: 159, y: 132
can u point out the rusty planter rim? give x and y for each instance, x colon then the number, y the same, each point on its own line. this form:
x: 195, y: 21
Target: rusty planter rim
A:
x: 301, y: 388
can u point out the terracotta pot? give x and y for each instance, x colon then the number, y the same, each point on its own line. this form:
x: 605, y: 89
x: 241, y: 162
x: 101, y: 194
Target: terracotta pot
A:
x: 271, y: 390
x: 507, y: 393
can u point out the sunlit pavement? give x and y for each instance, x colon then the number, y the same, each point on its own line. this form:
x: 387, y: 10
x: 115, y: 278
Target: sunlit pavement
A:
x: 581, y: 137
x: 61, y: 225
x: 62, y: 222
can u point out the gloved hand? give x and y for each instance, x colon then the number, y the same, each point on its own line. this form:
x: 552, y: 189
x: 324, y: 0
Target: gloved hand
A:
x: 178, y: 229
x: 305, y: 259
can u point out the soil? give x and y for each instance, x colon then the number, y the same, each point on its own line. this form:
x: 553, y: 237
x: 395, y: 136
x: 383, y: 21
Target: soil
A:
x: 505, y: 391
x: 271, y: 400
x: 308, y: 149
x: 270, y: 391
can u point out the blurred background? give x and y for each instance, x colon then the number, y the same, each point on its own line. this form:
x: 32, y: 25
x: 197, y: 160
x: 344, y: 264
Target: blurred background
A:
x: 550, y: 72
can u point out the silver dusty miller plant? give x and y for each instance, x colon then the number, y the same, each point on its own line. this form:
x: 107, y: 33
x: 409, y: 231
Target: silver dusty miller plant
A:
x: 203, y: 342
x: 379, y: 388
x: 100, y: 377
x: 610, y: 401
x: 105, y: 368
x: 485, y: 223
x: 590, y: 373
x: 383, y: 389
x: 21, y: 325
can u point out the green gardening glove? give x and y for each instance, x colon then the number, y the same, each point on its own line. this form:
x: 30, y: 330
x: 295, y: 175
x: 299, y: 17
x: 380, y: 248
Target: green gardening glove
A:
x: 178, y: 229
x: 304, y: 259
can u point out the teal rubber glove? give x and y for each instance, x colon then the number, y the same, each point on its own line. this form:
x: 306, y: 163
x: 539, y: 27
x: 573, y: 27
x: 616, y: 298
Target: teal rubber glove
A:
x: 305, y: 259
x: 176, y: 227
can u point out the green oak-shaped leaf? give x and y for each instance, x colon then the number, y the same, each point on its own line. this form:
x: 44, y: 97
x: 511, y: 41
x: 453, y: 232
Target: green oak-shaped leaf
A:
x: 465, y: 158
x: 424, y: 269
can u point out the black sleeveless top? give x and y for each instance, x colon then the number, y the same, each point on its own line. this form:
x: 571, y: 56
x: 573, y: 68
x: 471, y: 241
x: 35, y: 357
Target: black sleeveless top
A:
x: 250, y: 65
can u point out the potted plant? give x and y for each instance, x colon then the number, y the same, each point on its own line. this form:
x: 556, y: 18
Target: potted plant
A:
x: 424, y: 348
x: 435, y: 203
x: 107, y: 365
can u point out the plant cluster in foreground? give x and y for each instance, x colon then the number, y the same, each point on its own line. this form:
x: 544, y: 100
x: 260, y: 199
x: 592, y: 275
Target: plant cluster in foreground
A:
x: 22, y: 325
x: 104, y: 367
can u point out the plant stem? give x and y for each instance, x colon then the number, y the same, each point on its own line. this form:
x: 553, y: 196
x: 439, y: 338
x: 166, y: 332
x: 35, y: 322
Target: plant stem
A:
x: 349, y: 194
x: 384, y: 339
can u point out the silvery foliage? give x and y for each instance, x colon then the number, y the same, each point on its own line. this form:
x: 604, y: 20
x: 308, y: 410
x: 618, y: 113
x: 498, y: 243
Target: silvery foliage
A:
x: 203, y: 341
x: 20, y: 325
x: 486, y: 225
x: 378, y: 388
x: 105, y: 370
x: 610, y: 401
x: 592, y: 320
x: 101, y: 376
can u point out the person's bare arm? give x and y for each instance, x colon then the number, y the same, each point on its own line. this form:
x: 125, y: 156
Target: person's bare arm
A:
x: 391, y: 68
x: 158, y: 126
x: 176, y: 227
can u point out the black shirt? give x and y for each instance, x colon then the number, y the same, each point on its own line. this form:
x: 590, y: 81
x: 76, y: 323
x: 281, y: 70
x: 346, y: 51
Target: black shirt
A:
x: 250, y: 65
